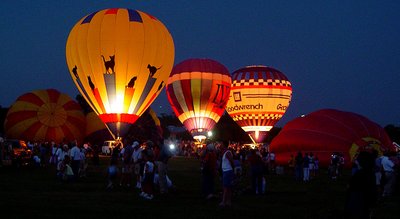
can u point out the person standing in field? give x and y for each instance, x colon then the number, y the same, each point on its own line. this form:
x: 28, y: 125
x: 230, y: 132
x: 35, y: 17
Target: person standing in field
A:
x: 126, y: 170
x: 227, y: 175
x: 148, y: 176
x: 112, y: 173
x: 306, y: 168
x: 76, y: 157
x: 298, y: 166
x: 161, y: 160
x: 311, y: 164
x: 256, y: 171
x: 361, y: 192
x: 389, y: 174
x: 137, y: 159
x: 209, y: 170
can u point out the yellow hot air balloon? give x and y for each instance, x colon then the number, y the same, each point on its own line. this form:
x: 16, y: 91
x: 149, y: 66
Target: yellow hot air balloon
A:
x: 259, y: 98
x: 119, y: 59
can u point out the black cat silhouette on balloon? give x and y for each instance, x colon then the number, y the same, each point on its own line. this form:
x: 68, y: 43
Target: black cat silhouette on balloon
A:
x: 109, y: 64
x: 152, y: 70
x: 91, y: 83
x: 75, y: 71
x: 131, y: 83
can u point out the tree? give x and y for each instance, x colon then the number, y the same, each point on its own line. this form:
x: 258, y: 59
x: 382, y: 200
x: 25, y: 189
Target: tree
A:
x: 3, y: 114
x: 393, y: 132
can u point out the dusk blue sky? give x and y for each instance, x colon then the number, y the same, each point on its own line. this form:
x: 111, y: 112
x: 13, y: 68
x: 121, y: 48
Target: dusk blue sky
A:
x: 337, y: 54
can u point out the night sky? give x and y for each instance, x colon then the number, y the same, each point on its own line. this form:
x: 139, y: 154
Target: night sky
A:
x: 337, y: 54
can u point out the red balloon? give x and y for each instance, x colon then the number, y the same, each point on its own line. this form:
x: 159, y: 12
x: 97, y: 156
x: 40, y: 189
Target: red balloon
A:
x: 198, y: 91
x: 327, y: 131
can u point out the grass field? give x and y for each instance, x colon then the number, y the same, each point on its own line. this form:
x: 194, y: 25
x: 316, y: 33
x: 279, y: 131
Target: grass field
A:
x: 35, y: 192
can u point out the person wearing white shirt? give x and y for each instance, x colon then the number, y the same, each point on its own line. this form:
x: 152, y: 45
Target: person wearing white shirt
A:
x: 75, y: 155
x: 390, y: 177
x: 60, y: 153
x: 227, y: 175
x: 137, y: 159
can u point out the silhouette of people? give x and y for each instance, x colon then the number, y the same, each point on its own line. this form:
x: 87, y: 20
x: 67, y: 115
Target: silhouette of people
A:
x: 361, y: 193
x: 209, y: 170
x: 256, y: 171
x: 298, y: 166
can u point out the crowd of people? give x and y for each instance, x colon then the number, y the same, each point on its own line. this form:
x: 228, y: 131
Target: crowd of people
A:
x: 373, y: 175
x: 144, y: 166
x: 69, y: 159
x: 233, y: 163
x: 41, y: 153
x: 303, y: 167
x: 373, y: 179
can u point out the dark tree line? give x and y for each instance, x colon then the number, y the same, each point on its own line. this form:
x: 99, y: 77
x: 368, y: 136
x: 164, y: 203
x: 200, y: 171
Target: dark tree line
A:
x: 393, y: 132
x: 3, y: 114
x: 225, y: 129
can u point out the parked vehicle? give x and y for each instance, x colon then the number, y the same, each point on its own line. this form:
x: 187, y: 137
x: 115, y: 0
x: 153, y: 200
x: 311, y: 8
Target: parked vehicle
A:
x: 108, y: 146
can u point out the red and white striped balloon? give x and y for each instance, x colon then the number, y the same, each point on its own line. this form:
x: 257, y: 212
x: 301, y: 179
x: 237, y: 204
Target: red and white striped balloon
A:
x: 45, y: 115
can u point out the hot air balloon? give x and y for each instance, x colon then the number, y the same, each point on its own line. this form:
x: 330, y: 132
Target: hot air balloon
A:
x: 45, y: 115
x: 329, y: 131
x: 259, y: 97
x: 198, y: 90
x: 119, y: 59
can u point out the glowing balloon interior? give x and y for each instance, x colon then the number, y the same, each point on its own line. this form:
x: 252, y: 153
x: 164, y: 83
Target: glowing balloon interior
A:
x: 119, y: 59
x: 259, y: 97
x: 198, y: 91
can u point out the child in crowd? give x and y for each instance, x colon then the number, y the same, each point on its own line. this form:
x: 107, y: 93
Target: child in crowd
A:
x: 65, y: 172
